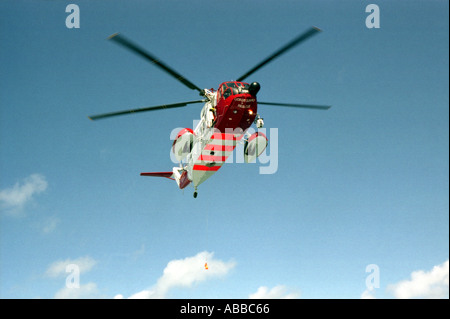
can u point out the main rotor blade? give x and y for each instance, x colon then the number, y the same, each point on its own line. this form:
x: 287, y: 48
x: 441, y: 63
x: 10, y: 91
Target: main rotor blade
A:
x: 144, y: 109
x: 308, y: 106
x: 302, y: 37
x: 120, y: 39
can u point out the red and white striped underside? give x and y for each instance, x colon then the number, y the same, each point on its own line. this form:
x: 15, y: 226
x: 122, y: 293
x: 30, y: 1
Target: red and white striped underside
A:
x: 214, y: 155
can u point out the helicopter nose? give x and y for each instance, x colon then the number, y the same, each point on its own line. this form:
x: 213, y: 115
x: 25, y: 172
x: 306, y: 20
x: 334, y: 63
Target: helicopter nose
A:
x: 253, y: 89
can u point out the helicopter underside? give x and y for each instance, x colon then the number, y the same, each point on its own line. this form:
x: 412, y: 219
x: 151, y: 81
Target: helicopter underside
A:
x: 209, y: 157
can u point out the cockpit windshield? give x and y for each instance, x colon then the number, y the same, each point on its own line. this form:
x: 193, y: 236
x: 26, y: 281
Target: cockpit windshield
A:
x: 227, y: 89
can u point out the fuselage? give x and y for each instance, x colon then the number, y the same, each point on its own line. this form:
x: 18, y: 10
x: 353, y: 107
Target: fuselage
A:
x: 230, y: 111
x: 236, y: 108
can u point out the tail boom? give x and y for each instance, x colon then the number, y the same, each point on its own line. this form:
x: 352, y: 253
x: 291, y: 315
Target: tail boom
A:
x: 168, y: 175
x: 178, y: 175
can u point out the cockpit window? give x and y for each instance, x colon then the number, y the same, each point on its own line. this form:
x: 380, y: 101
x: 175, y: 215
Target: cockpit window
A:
x: 231, y: 88
x: 226, y: 93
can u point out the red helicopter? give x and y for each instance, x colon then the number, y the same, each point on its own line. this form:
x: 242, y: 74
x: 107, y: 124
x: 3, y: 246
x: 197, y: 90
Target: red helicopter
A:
x: 227, y: 114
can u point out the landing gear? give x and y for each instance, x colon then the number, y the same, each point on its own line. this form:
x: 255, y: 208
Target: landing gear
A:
x: 195, y: 193
x: 259, y: 121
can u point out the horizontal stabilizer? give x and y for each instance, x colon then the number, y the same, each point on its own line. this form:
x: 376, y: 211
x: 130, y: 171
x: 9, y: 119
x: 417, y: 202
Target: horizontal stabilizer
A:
x: 168, y: 175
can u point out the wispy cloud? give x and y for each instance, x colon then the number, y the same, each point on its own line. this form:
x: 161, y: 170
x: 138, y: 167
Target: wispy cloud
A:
x: 85, y: 291
x: 369, y: 293
x: 424, y: 284
x: 47, y: 225
x: 58, y: 268
x: 185, y: 273
x: 14, y: 199
x: 50, y: 224
x: 277, y: 292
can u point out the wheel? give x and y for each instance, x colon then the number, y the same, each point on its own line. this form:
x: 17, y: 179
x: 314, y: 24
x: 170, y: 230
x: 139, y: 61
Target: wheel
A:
x: 195, y: 194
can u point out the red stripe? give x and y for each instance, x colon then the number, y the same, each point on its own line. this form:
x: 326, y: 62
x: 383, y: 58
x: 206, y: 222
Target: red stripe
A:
x: 212, y: 147
x: 206, y: 168
x: 223, y: 136
x: 212, y: 158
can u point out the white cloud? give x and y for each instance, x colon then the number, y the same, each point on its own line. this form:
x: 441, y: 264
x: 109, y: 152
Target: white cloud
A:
x: 14, y: 199
x: 185, y: 273
x: 424, y: 284
x: 58, y: 268
x: 88, y: 290
x: 277, y: 292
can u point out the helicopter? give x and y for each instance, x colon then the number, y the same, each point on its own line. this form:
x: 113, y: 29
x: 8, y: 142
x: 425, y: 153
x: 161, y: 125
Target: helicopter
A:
x: 225, y: 118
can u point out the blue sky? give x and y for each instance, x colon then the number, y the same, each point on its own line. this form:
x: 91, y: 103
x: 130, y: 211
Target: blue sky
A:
x: 364, y: 183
